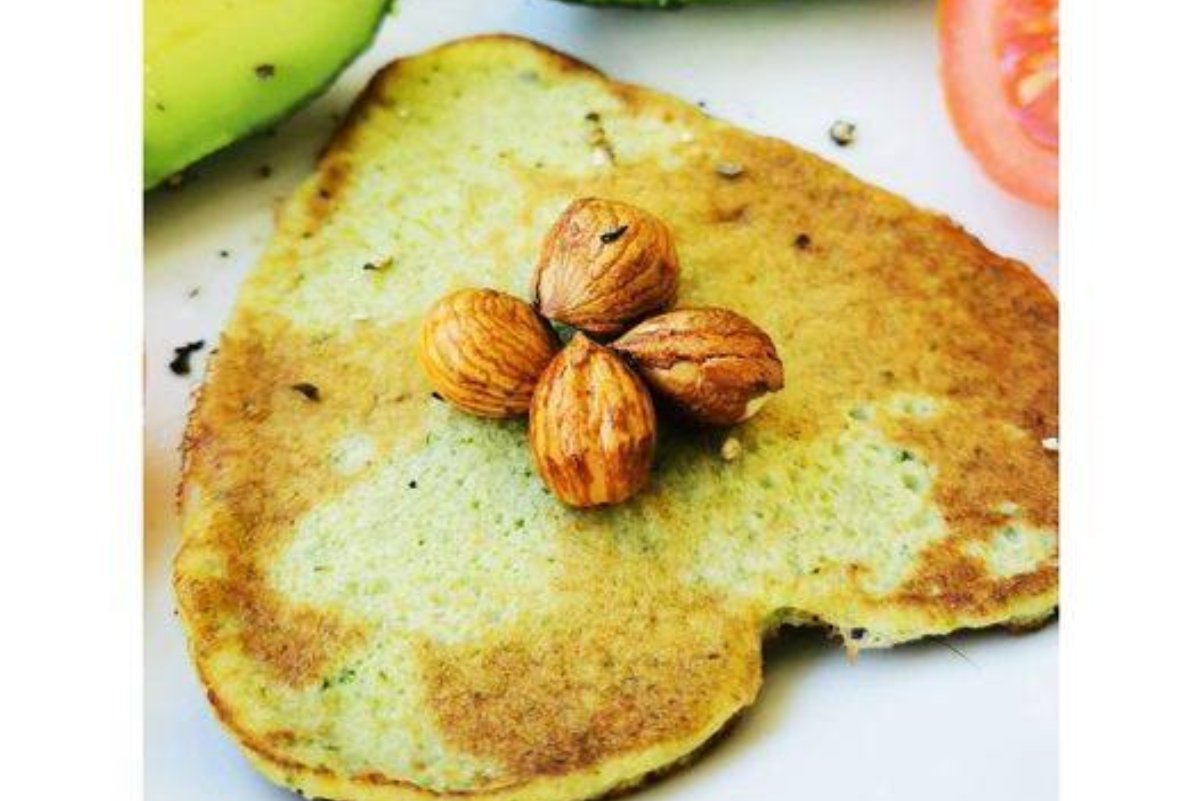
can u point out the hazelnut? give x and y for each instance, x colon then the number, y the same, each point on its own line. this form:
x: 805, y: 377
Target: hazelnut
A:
x: 715, y: 366
x: 605, y: 265
x: 591, y: 426
x: 483, y: 351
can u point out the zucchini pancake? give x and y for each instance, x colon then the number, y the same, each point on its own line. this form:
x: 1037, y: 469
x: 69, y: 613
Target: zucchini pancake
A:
x: 381, y: 597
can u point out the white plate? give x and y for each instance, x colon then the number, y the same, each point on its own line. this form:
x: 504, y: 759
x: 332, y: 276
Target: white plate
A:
x: 971, y: 717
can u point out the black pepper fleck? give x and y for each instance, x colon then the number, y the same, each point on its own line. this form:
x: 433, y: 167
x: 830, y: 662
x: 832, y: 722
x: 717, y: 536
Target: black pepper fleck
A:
x: 437, y: 396
x: 608, y: 237
x: 803, y: 241
x: 265, y: 71
x: 182, y: 363
x: 224, y: 254
x: 412, y: 484
x: 379, y: 266
x: 310, y: 391
x: 857, y: 634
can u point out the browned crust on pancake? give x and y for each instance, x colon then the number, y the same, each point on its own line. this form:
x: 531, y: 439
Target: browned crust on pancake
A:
x: 242, y: 443
x: 948, y: 580
x: 333, y: 175
x: 659, y: 667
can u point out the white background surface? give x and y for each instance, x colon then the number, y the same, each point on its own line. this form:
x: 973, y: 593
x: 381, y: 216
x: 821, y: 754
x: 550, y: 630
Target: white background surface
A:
x: 918, y: 722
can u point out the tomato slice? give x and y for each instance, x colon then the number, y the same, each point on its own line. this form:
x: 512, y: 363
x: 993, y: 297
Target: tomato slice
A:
x: 1000, y: 78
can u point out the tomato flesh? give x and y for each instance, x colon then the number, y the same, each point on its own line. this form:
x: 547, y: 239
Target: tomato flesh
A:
x: 1000, y: 76
x: 1028, y: 39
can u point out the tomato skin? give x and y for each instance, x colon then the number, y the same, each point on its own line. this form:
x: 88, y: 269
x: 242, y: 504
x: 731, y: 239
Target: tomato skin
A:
x: 1016, y: 147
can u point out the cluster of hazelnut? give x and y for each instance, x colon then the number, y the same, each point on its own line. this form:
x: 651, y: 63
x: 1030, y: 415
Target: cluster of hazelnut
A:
x: 609, y: 271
